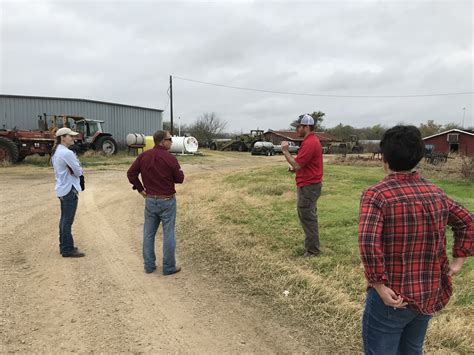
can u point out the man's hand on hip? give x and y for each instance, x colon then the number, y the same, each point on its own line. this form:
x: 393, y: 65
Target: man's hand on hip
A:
x: 143, y: 193
x: 455, y: 266
x: 389, y: 297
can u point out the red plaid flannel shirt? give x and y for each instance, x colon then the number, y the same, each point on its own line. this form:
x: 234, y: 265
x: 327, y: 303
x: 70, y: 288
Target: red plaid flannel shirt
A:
x: 402, y: 238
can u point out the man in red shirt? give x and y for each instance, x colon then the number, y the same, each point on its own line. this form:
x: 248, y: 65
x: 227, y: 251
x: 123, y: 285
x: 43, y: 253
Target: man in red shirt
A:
x: 308, y: 168
x: 160, y: 172
x: 402, y: 244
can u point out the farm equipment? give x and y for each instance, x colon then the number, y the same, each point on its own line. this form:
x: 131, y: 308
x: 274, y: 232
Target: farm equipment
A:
x: 242, y: 143
x: 16, y: 145
x: 263, y: 148
x: 434, y: 158
x: 348, y: 147
x: 91, y: 135
x: 292, y: 148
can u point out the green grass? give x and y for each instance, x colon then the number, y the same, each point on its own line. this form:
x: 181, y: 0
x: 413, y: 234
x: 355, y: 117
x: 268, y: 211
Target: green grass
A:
x: 247, y: 225
x: 338, y: 210
x: 266, y: 207
x: 103, y: 161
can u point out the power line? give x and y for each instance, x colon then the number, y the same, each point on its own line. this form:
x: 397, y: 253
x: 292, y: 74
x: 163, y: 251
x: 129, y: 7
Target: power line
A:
x: 323, y: 95
x: 167, y: 100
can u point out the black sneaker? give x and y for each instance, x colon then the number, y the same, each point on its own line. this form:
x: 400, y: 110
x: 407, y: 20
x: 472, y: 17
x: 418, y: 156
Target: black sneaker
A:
x: 75, y: 249
x: 310, y: 255
x: 149, y: 271
x: 74, y: 254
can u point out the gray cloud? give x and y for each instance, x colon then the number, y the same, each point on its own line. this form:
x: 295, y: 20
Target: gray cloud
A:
x: 124, y: 52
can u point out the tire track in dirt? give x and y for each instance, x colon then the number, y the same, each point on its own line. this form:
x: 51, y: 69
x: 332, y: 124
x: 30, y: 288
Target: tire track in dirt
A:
x: 123, y: 267
x: 177, y: 301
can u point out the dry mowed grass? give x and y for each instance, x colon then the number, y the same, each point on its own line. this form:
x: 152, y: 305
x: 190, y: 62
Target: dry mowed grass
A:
x: 242, y: 230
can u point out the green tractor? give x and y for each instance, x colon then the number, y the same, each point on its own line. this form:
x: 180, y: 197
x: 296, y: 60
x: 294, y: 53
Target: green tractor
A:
x: 349, y: 147
x: 241, y: 143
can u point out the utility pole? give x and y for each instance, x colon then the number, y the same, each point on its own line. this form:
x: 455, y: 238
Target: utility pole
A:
x: 171, y: 104
x: 463, y: 115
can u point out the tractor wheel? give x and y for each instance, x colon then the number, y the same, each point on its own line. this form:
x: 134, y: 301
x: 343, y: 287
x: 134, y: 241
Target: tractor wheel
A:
x: 242, y: 147
x: 8, y: 151
x: 107, y: 145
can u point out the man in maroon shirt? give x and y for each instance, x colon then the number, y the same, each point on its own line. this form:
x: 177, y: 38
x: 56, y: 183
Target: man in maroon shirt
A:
x: 308, y: 168
x: 402, y: 243
x: 160, y: 172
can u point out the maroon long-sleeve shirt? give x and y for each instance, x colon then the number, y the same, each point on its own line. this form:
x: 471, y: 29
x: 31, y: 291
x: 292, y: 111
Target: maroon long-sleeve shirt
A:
x: 159, y: 169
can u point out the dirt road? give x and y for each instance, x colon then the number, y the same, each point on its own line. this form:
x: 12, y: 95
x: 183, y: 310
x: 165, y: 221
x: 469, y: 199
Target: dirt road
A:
x: 105, y: 302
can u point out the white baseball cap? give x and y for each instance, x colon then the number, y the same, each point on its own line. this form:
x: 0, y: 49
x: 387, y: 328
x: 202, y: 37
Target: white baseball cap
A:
x: 303, y: 120
x: 64, y: 131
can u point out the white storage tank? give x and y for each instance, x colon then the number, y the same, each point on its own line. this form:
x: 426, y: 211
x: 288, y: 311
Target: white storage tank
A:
x: 184, y: 145
x: 135, y: 139
x: 261, y: 145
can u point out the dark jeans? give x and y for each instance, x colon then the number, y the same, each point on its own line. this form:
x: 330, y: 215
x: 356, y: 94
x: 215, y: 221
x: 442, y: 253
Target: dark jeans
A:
x: 308, y: 214
x: 391, y: 331
x: 68, y: 211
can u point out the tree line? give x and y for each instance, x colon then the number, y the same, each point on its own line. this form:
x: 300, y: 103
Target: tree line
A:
x: 210, y: 126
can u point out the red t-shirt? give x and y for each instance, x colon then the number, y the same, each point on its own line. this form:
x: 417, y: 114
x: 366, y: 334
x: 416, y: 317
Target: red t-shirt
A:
x: 310, y: 158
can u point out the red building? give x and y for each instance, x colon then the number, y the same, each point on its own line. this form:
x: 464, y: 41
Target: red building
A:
x: 276, y: 137
x: 452, y: 141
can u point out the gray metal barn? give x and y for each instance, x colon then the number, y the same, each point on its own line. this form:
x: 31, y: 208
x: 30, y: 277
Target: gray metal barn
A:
x: 22, y: 112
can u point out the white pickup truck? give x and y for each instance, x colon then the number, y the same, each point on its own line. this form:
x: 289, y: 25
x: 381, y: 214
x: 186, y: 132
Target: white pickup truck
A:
x: 292, y: 148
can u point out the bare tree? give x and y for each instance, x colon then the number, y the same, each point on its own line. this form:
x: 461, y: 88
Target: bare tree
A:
x: 207, y: 127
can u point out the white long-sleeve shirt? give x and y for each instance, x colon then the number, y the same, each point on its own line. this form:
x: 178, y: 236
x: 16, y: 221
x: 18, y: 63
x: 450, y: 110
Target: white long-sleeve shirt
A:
x: 65, y: 180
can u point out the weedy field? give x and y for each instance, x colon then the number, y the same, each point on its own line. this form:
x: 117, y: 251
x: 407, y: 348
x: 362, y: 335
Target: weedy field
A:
x: 245, y: 231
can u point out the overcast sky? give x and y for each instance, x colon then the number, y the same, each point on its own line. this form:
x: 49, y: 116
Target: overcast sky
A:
x: 124, y: 51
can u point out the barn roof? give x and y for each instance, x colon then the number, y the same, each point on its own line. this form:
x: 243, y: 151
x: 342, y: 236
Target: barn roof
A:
x: 79, y: 100
x: 450, y: 131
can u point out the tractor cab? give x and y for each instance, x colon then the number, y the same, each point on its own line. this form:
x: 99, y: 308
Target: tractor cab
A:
x: 88, y: 128
x: 91, y: 134
x: 256, y: 133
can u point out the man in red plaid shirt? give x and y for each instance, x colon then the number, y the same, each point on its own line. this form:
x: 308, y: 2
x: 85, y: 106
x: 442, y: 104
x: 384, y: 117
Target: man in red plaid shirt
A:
x: 402, y: 243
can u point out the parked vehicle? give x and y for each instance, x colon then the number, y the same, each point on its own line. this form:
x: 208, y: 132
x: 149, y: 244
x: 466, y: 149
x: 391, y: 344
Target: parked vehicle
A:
x: 292, y: 148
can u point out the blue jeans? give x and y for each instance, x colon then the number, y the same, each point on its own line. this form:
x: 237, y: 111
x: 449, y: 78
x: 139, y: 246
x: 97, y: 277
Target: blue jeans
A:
x: 390, y: 331
x: 68, y: 211
x: 157, y: 211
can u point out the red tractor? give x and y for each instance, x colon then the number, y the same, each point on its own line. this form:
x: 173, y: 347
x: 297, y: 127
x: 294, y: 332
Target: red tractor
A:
x: 16, y: 144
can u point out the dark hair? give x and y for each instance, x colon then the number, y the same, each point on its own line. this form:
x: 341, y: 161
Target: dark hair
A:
x: 311, y: 128
x: 402, y: 147
x: 159, y: 136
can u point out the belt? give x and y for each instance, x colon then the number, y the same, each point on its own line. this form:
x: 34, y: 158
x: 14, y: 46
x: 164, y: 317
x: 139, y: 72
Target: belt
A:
x: 160, y: 197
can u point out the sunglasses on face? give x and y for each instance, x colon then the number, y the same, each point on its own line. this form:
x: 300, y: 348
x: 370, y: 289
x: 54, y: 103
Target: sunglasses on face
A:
x: 168, y: 139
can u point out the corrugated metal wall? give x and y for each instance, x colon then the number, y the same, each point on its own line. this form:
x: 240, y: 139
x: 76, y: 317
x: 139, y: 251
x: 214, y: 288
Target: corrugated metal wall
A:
x: 22, y: 112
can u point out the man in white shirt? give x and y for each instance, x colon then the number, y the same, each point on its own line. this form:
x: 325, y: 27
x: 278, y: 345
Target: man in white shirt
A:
x: 68, y: 172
